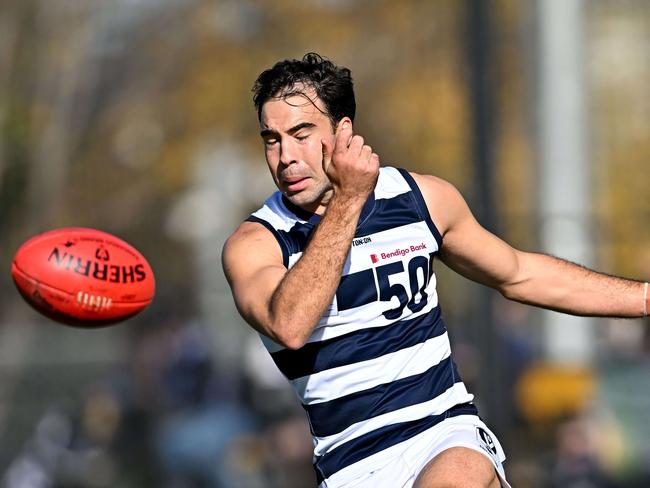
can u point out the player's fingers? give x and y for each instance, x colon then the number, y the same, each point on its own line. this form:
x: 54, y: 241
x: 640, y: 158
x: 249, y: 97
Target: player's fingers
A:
x: 356, y: 144
x: 366, y: 152
x: 343, y: 136
x: 374, y: 159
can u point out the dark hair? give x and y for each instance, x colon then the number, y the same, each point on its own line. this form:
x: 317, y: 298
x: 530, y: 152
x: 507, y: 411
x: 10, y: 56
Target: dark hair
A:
x: 331, y: 83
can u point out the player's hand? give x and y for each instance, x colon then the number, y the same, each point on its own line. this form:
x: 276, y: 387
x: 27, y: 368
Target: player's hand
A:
x: 350, y: 165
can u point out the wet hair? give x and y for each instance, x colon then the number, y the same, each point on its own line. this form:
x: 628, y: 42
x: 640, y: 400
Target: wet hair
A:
x: 331, y: 83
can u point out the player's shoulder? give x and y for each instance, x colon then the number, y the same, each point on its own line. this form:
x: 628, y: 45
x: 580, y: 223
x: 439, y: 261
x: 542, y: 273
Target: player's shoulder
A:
x: 444, y: 201
x: 248, y: 233
x: 249, y: 240
x: 435, y: 189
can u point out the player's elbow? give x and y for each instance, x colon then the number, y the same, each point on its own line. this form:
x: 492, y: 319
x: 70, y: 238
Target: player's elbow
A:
x: 522, y: 289
x: 511, y: 291
x: 294, y: 343
x: 289, y: 327
x: 290, y: 339
x: 287, y: 331
x: 513, y: 283
x: 516, y: 287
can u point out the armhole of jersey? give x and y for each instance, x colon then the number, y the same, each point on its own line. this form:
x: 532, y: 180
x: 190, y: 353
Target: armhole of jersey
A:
x: 421, y: 205
x: 277, y: 235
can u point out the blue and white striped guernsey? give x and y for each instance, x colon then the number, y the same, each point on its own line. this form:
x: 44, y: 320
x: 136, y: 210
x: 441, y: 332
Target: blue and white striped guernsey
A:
x: 377, y: 370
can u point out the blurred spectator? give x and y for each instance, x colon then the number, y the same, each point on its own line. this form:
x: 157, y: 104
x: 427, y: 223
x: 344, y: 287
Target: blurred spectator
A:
x: 575, y: 463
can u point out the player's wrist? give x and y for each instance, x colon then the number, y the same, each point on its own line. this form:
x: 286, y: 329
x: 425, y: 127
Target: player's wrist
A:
x: 353, y: 200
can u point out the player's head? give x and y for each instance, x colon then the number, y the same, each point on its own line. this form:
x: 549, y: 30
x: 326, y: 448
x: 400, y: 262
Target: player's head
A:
x: 332, y: 84
x: 299, y: 104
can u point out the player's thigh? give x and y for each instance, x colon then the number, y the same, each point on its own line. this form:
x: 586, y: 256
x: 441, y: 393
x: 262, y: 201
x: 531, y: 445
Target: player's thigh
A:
x: 458, y: 467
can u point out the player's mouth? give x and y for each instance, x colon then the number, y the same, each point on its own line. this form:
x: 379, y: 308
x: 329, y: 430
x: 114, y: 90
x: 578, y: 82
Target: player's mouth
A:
x: 296, y: 183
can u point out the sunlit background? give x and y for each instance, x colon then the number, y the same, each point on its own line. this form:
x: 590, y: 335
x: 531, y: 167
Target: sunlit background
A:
x: 135, y: 117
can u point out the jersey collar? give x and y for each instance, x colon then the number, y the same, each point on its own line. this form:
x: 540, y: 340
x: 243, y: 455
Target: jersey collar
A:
x: 311, y: 217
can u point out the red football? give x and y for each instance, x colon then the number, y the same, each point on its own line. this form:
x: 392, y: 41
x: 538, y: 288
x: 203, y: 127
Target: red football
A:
x: 83, y: 277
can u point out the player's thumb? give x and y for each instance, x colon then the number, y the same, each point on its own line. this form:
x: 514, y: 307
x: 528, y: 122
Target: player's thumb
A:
x: 327, y: 154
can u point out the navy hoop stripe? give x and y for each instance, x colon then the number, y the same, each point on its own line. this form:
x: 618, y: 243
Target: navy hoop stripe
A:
x: 356, y: 289
x: 360, y: 345
x: 335, y: 416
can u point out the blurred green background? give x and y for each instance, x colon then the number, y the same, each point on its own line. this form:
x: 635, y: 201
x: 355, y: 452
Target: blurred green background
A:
x: 135, y: 117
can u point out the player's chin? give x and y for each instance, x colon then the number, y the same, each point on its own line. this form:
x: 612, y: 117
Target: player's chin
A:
x: 303, y: 199
x: 299, y: 198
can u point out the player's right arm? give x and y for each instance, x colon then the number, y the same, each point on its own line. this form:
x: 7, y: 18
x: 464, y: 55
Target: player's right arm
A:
x: 286, y: 305
x: 252, y: 263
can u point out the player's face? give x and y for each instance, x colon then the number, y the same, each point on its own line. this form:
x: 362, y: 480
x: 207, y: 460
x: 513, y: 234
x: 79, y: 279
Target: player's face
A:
x: 292, y: 130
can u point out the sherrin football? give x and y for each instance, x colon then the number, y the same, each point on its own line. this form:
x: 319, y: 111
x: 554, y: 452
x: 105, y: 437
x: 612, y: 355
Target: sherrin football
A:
x: 83, y: 277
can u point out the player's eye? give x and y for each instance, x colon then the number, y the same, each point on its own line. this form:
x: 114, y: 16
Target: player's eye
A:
x: 302, y: 137
x: 270, y: 142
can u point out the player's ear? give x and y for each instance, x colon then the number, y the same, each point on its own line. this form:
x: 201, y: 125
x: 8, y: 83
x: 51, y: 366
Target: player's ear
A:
x: 344, y: 123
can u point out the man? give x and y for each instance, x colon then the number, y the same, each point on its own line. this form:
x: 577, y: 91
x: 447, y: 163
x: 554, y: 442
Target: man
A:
x: 335, y: 272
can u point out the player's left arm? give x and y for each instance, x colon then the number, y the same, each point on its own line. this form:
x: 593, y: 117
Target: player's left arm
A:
x: 531, y: 278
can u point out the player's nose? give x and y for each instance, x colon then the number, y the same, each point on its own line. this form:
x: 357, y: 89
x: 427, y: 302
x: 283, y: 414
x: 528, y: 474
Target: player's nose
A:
x: 287, y: 153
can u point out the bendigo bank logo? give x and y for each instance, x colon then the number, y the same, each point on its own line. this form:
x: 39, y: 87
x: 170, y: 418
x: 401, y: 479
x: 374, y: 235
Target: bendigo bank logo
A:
x: 401, y: 252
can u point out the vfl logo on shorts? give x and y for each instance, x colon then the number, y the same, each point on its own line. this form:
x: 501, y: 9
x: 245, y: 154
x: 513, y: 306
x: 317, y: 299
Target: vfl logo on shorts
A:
x: 486, y: 441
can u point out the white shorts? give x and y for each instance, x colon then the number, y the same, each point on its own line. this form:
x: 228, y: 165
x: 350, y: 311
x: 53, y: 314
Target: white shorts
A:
x: 399, y: 465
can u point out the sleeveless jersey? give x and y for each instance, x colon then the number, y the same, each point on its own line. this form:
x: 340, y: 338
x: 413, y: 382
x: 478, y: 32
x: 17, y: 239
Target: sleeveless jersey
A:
x: 377, y: 370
